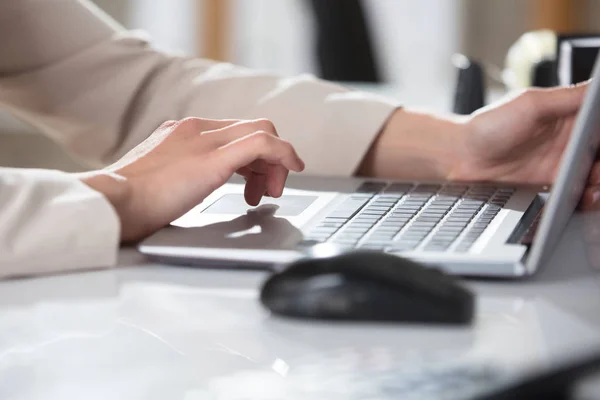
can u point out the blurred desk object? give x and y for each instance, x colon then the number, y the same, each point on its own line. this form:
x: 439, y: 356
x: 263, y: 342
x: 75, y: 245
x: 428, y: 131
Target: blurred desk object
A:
x: 344, y: 46
x: 576, y: 58
x: 213, y: 28
x: 561, y: 16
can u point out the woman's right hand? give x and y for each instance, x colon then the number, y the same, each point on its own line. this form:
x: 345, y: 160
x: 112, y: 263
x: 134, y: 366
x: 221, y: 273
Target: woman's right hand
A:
x: 183, y: 162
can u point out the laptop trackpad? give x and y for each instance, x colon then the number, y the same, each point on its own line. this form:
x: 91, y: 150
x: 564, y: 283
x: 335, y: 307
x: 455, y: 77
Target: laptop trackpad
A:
x: 285, y: 206
x: 229, y: 222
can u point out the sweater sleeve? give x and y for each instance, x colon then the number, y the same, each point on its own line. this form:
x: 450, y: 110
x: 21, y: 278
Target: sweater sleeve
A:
x: 51, y: 222
x: 99, y: 90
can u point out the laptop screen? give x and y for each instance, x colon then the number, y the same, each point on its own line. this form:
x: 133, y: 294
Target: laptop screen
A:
x: 574, y: 170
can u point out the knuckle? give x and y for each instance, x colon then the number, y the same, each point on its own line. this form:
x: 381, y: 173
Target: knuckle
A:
x: 266, y: 125
x: 191, y: 123
x: 529, y: 98
x: 262, y: 138
x: 287, y: 146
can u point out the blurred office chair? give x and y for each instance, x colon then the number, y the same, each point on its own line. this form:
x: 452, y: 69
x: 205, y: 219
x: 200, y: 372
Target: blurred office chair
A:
x: 344, y: 45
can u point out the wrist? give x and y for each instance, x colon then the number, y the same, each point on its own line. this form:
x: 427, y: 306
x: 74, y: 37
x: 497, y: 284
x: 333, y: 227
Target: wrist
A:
x: 417, y: 146
x: 115, y: 188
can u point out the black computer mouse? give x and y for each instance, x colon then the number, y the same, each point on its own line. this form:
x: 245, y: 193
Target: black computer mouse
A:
x: 367, y: 286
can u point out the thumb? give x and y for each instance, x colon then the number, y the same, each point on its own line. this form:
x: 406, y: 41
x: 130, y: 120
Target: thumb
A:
x: 561, y: 102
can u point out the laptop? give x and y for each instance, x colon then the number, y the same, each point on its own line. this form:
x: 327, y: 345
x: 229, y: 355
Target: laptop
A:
x: 484, y: 229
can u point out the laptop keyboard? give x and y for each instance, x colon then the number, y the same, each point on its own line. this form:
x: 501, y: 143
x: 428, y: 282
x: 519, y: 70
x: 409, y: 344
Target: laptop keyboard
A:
x: 404, y: 217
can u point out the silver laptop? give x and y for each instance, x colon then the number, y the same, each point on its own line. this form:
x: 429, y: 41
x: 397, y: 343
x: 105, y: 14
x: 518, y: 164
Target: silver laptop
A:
x: 473, y: 230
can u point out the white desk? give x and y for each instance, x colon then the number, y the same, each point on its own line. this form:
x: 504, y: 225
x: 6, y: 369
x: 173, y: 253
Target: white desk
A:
x: 157, y: 332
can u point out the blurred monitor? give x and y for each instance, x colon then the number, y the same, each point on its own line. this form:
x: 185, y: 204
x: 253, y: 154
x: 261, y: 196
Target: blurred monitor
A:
x: 576, y: 58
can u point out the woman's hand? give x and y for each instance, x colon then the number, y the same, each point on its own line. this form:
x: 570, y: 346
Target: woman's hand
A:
x: 521, y: 140
x: 182, y: 162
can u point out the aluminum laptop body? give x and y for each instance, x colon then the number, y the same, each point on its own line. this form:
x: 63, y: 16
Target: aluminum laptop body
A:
x: 467, y: 229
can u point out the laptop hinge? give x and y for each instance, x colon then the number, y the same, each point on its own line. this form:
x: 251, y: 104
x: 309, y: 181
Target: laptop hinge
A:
x: 524, y: 232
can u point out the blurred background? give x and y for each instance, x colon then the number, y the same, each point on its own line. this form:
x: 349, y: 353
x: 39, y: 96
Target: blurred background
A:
x: 404, y: 46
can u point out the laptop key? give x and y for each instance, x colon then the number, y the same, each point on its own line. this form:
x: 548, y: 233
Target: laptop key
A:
x: 404, y: 212
x: 444, y: 234
x: 438, y: 245
x: 378, y: 234
x: 429, y: 218
x: 348, y: 208
x: 399, y: 188
x: 412, y: 203
x: 373, y: 212
x: 388, y: 228
x: 384, y: 242
x: 402, y: 247
x: 366, y: 218
x: 351, y: 236
x: 330, y: 225
x: 428, y: 188
x: 361, y: 197
x: 379, y: 202
x: 355, y: 231
x: 447, y: 197
x: 371, y: 187
x: 422, y: 224
x: 373, y: 207
x: 441, y: 204
x: 434, y: 211
x: 458, y: 219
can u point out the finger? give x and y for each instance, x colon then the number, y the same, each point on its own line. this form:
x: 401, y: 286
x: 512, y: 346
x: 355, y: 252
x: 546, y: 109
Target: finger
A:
x: 559, y: 102
x: 245, y: 173
x: 276, y: 176
x: 255, y: 189
x: 276, y: 179
x: 252, y: 184
x: 590, y: 199
x: 594, y: 178
x: 223, y: 136
x: 260, y: 146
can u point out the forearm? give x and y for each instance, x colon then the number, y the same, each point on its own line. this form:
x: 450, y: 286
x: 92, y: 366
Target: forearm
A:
x: 100, y: 90
x: 416, y: 146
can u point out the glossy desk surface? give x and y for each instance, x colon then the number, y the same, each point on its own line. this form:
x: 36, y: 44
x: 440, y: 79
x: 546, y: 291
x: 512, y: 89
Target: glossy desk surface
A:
x: 157, y: 332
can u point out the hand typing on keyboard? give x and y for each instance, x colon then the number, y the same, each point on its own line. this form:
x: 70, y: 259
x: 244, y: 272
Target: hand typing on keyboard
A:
x: 520, y: 140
